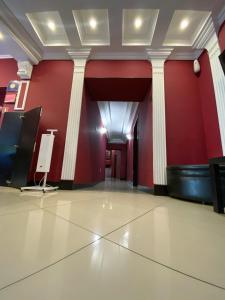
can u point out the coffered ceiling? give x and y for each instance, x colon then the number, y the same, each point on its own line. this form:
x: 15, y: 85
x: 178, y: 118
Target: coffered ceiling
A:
x: 48, y: 29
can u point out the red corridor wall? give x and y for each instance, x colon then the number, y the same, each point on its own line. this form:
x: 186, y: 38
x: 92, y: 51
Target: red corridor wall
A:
x: 90, y: 164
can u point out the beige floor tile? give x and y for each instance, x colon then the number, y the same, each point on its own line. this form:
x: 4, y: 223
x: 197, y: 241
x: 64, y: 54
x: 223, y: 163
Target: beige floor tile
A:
x: 103, y: 215
x: 106, y: 271
x: 185, y: 236
x: 10, y: 202
x: 32, y: 240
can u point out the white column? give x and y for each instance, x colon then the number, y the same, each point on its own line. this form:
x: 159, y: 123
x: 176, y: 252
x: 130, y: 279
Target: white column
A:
x: 208, y: 39
x: 73, y: 123
x: 218, y: 76
x: 159, y: 120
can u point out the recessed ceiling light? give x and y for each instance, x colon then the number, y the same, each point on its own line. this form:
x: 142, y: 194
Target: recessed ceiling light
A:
x: 102, y: 130
x: 184, y: 24
x: 128, y: 136
x: 93, y: 23
x: 51, y: 25
x: 138, y: 23
x: 1, y: 36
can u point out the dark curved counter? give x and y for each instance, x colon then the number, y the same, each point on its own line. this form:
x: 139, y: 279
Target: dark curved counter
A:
x: 193, y: 182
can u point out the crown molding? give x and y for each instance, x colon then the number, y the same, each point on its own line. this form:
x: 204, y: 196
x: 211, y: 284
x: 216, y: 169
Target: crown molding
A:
x: 159, y: 54
x: 221, y: 17
x: 119, y: 56
x: 5, y: 57
x: 192, y: 55
x: 204, y: 35
x: 19, y: 34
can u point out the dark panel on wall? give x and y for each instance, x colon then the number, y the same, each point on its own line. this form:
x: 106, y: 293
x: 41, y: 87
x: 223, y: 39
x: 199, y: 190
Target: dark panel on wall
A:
x: 25, y: 149
x: 9, y: 138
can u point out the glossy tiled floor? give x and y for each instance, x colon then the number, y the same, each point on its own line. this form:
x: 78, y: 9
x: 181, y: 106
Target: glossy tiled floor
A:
x: 100, y: 244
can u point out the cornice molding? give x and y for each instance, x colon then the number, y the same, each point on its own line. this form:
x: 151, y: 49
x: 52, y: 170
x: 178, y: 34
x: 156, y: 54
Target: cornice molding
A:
x: 221, y: 17
x: 204, y: 35
x: 5, y: 57
x: 187, y: 55
x: 19, y: 34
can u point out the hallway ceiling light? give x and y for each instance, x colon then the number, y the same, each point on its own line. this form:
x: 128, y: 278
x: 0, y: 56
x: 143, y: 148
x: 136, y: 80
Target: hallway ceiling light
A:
x: 102, y: 130
x: 93, y: 23
x: 128, y: 136
x: 51, y: 25
x: 184, y: 24
x: 138, y: 23
x: 1, y: 36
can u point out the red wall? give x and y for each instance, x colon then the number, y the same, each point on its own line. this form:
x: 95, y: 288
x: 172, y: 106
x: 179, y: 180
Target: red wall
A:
x: 208, y: 107
x: 50, y: 88
x: 90, y: 165
x: 145, y: 150
x: 8, y: 71
x: 184, y: 122
x: 118, y: 69
x: 222, y: 37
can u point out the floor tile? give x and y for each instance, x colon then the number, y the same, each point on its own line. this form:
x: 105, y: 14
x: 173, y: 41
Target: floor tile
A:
x: 32, y: 240
x: 103, y: 215
x: 10, y: 202
x: 186, y: 236
x: 106, y: 271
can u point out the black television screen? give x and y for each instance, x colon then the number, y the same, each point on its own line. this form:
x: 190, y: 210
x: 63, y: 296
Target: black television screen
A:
x: 222, y: 60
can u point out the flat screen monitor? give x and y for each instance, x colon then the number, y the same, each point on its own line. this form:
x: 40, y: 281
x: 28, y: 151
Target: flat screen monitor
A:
x: 222, y: 60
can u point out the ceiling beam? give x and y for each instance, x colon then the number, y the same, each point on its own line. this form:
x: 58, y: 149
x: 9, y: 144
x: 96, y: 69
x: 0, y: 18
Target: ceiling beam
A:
x: 17, y: 32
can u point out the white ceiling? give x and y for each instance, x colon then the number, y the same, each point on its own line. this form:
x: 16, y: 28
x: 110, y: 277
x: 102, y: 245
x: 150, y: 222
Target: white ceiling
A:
x: 118, y: 118
x: 30, y: 42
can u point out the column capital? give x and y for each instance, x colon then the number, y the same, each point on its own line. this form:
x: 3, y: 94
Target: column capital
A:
x: 158, y: 55
x: 80, y: 57
x: 25, y: 69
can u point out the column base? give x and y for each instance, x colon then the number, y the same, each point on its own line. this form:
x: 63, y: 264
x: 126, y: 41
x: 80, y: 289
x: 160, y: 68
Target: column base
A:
x: 66, y: 185
x: 160, y: 190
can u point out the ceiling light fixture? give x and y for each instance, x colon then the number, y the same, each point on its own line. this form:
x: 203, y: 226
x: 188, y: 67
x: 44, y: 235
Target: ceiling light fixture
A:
x: 128, y: 136
x: 1, y: 36
x: 102, y: 130
x: 184, y: 24
x: 93, y: 23
x: 138, y: 23
x: 51, y: 25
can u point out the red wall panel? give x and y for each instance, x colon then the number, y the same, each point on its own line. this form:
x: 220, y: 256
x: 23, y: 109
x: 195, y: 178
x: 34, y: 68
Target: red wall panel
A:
x: 50, y: 88
x: 222, y: 37
x: 208, y: 107
x: 118, y: 69
x: 145, y: 146
x: 184, y: 122
x: 8, y: 71
x: 90, y: 165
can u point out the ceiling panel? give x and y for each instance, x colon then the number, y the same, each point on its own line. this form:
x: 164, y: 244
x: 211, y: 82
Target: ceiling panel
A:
x: 49, y: 28
x: 92, y: 26
x: 139, y: 26
x: 185, y: 27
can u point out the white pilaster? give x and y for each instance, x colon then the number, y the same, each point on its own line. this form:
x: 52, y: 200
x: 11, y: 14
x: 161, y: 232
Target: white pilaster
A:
x: 157, y: 59
x: 73, y: 123
x: 208, y: 39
